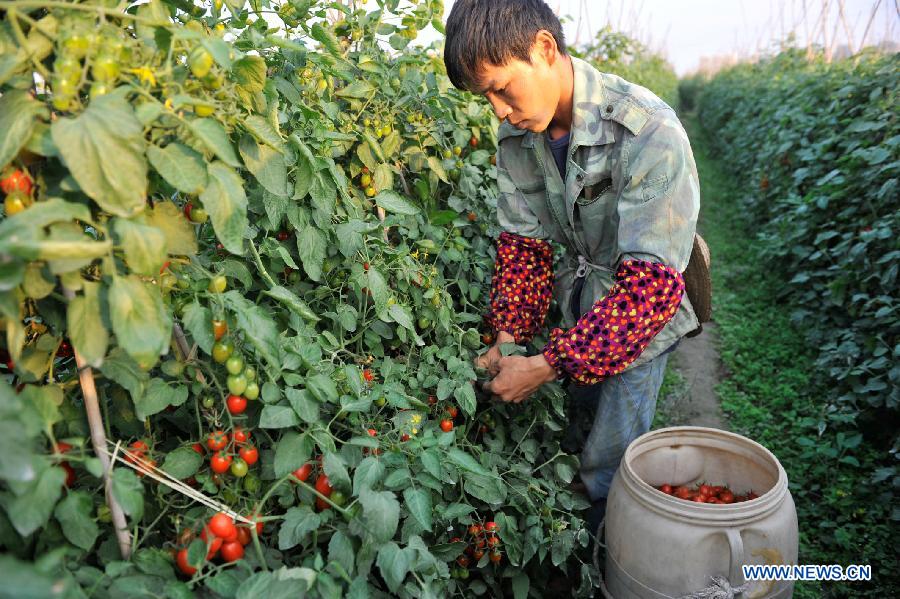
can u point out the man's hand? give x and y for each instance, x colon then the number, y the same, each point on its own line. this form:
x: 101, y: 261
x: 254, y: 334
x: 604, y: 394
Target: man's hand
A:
x: 518, y: 377
x: 491, y: 358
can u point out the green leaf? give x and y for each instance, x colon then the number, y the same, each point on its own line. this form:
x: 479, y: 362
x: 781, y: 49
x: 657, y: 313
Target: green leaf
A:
x: 402, y: 316
x: 381, y: 513
x: 322, y: 388
x: 42, y: 214
x: 298, y: 522
x: 369, y: 472
x: 158, y: 396
x: 182, y: 463
x: 358, y: 89
x: 297, y: 305
x: 23, y: 580
x: 226, y: 203
x: 250, y: 73
x: 278, y: 417
x: 213, y: 136
x: 326, y: 38
x: 168, y: 218
x: 393, y: 202
x: 85, y: 328
x: 418, y: 502
x: 198, y: 321
x: 341, y: 551
x: 379, y: 288
x: 258, y: 327
x: 292, y: 451
x: 140, y: 321
x: 520, y: 585
x: 75, y: 515
x: 394, y: 564
x: 303, y: 404
x: 128, y: 491
x: 466, y: 462
x: 121, y: 368
x: 103, y: 149
x: 145, y: 246
x: 465, y: 397
x: 336, y: 470
x: 181, y: 167
x: 267, y: 165
x: 263, y: 131
x: 31, y: 509
x: 434, y: 163
x: 312, y: 246
x: 17, y: 120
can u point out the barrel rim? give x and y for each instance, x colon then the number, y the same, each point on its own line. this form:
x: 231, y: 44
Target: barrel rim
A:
x: 724, y: 515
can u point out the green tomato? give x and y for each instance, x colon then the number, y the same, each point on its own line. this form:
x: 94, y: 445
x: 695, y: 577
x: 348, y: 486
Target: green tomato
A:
x: 338, y: 498
x: 237, y: 384
x: 76, y: 45
x: 105, y: 68
x: 208, y: 402
x: 217, y: 284
x: 250, y: 373
x: 199, y: 215
x: 424, y: 323
x: 104, y: 514
x: 239, y: 468
x: 252, y: 390
x: 252, y: 484
x: 436, y: 300
x: 229, y: 496
x: 200, y: 62
x: 380, y: 402
x: 234, y: 364
x: 222, y: 350
x: 68, y: 68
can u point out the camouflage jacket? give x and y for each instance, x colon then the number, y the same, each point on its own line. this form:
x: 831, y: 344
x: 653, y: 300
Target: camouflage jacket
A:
x: 631, y: 191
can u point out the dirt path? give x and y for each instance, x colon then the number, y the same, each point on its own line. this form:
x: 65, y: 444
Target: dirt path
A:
x: 696, y: 402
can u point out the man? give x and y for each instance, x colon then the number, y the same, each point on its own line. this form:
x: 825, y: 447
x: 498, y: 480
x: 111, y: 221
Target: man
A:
x: 603, y: 168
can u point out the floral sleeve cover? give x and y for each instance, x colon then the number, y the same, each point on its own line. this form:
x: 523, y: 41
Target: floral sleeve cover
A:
x: 522, y: 286
x: 614, y: 332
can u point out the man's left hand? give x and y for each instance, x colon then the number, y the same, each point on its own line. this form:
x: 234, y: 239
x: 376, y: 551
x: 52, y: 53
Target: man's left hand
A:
x: 518, y: 377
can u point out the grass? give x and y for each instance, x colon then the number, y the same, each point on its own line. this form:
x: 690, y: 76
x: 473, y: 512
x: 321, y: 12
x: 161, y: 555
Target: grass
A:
x: 773, y: 396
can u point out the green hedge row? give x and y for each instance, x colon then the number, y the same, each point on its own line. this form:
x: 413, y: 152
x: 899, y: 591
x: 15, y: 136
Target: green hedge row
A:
x: 815, y: 147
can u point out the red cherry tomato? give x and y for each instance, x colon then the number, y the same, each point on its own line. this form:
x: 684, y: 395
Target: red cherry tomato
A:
x: 217, y: 440
x: 452, y: 411
x: 705, y: 490
x: 493, y: 541
x: 236, y: 404
x: 726, y: 496
x: 232, y: 552
x: 666, y: 488
x: 222, y: 525
x: 367, y: 374
x: 220, y: 463
x: 475, y: 529
x: 302, y: 473
x: 240, y: 435
x: 138, y: 447
x: 496, y: 557
x: 198, y: 448
x: 183, y: 565
x: 63, y: 447
x: 446, y: 425
x: 249, y: 454
x: 70, y: 473
x: 243, y: 535
x: 16, y: 180
x: 213, y: 543
x: 463, y: 561
x: 491, y: 527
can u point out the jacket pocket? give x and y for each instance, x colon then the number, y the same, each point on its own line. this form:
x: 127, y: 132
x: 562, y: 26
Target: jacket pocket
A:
x: 595, y: 187
x: 653, y: 188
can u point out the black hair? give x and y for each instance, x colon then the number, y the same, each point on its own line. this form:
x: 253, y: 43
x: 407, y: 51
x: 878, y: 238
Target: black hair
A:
x: 494, y: 32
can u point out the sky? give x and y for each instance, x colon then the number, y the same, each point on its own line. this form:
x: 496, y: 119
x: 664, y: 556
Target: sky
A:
x: 684, y: 31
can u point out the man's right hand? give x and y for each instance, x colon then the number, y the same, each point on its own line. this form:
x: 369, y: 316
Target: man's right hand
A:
x: 490, y: 360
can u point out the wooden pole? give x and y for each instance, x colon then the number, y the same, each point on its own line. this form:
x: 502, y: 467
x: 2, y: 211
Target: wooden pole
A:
x: 98, y: 440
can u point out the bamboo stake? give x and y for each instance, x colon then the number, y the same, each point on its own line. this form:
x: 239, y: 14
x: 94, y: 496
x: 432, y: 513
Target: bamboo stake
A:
x: 98, y: 440
x: 862, y: 42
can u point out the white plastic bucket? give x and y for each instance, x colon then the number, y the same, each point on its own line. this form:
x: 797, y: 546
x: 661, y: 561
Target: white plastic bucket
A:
x: 658, y: 546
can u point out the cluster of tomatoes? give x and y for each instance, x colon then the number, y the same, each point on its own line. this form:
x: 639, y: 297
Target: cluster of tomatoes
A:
x: 223, y: 538
x: 225, y: 447
x: 320, y: 483
x: 482, y: 541
x: 138, y: 453
x: 17, y: 186
x: 241, y: 379
x: 704, y: 493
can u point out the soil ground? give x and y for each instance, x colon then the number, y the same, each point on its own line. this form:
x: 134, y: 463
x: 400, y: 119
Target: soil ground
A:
x: 694, y: 400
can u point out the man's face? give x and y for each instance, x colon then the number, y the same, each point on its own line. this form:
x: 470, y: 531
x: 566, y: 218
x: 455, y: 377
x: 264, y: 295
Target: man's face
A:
x: 524, y: 94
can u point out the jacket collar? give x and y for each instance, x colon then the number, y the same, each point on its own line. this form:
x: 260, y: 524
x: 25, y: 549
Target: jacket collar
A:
x: 589, y: 99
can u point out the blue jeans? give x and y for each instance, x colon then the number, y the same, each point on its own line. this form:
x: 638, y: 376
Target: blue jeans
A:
x: 618, y: 411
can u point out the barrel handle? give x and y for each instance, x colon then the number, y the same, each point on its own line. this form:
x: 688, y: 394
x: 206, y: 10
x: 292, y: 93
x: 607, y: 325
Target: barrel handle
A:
x: 736, y: 573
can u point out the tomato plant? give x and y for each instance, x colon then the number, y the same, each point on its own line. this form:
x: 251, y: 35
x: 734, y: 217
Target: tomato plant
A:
x: 239, y: 225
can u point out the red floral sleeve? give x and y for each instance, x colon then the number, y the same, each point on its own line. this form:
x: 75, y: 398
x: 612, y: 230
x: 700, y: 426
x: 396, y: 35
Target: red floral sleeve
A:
x: 620, y: 326
x: 522, y: 286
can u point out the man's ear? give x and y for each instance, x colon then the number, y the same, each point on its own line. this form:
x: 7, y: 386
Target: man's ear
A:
x: 544, y: 47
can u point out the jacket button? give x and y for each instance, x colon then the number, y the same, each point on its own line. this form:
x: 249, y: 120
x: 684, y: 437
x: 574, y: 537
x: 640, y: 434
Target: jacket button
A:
x: 609, y: 108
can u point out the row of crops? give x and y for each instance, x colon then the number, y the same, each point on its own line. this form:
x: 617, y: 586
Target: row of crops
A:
x: 264, y: 244
x: 814, y: 149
